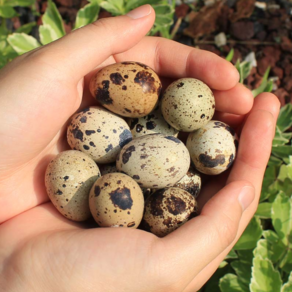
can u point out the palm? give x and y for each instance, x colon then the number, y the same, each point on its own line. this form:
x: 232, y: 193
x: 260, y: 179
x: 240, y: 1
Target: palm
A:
x: 39, y: 234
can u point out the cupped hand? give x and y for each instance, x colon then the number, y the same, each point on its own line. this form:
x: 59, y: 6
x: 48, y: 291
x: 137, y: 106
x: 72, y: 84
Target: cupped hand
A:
x: 39, y: 91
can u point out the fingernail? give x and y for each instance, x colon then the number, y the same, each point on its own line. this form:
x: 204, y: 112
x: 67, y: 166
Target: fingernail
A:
x: 246, y: 197
x: 140, y: 12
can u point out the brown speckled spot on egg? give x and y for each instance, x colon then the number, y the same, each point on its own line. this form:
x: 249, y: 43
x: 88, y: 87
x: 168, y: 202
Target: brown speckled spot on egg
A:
x: 146, y: 81
x: 97, y: 191
x: 117, y: 78
x: 231, y: 159
x: 150, y: 125
x: 89, y: 132
x: 127, y: 154
x: 77, y: 134
x: 156, y: 203
x: 109, y: 147
x: 83, y: 119
x: 208, y: 161
x: 131, y: 224
x: 124, y: 87
x: 121, y: 198
x: 171, y: 138
x: 102, y: 94
x: 175, y: 205
x: 136, y: 176
x: 167, y: 222
x: 181, y: 84
x: 125, y: 137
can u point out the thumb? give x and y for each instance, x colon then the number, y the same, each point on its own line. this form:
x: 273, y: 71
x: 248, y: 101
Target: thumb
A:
x: 85, y: 48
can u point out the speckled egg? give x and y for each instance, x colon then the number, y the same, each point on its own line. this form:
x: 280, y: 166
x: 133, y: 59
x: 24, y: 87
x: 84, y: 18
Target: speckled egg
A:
x: 191, y: 182
x: 188, y: 104
x: 68, y: 180
x: 116, y: 200
x: 155, y: 160
x: 213, y: 147
x: 98, y: 133
x: 167, y: 209
x: 150, y: 124
x: 130, y: 89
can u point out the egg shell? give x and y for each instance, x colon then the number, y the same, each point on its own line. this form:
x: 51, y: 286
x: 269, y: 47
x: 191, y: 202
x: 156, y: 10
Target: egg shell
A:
x: 188, y: 104
x: 130, y: 89
x: 167, y: 209
x: 151, y: 124
x: 191, y: 182
x: 116, y: 200
x: 98, y: 133
x: 213, y: 147
x: 155, y: 160
x: 68, y: 180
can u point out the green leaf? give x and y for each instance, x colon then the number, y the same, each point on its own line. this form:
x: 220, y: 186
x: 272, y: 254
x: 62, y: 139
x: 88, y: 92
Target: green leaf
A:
x: 213, y: 284
x: 285, y: 172
x: 231, y: 283
x: 22, y: 3
x: 287, y: 287
x: 281, y: 138
x: 232, y: 255
x: 286, y: 262
x: 245, y: 256
x: 22, y: 42
x: 230, y: 55
x: 272, y: 250
x: 243, y: 271
x: 264, y: 276
x: 244, y: 69
x: 284, y: 121
x: 264, y: 210
x: 265, y: 86
x: 269, y: 179
x: 52, y: 28
x: 131, y: 4
x: 87, y: 14
x: 26, y: 28
x: 7, y: 12
x: 274, y: 161
x: 250, y: 236
x: 282, y: 217
x: 282, y: 152
x: 284, y: 186
x: 115, y: 7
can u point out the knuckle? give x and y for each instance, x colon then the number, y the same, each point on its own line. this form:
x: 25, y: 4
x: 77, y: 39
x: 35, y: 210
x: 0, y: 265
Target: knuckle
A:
x: 227, y: 231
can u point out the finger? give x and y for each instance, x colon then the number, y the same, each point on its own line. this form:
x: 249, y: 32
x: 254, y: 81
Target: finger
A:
x: 43, y: 218
x: 82, y: 50
x: 234, y: 121
x: 237, y: 100
x: 200, y: 240
x: 256, y: 141
x: 250, y: 165
x: 171, y: 59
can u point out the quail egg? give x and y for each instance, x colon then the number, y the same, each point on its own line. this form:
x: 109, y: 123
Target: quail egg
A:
x: 167, y: 209
x: 116, y: 200
x: 68, y: 180
x: 150, y: 124
x: 213, y: 147
x: 188, y: 104
x: 130, y: 89
x: 155, y: 160
x: 191, y: 182
x: 98, y: 133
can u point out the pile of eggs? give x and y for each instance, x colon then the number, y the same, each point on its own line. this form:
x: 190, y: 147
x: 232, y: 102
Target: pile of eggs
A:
x: 127, y: 166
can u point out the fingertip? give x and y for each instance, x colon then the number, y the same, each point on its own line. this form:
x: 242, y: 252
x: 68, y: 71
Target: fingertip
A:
x: 268, y: 101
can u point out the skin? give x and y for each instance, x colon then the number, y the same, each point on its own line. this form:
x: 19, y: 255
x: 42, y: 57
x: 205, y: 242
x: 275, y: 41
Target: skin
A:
x: 42, y: 251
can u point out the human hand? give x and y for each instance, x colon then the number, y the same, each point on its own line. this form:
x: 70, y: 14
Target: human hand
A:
x: 42, y: 251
